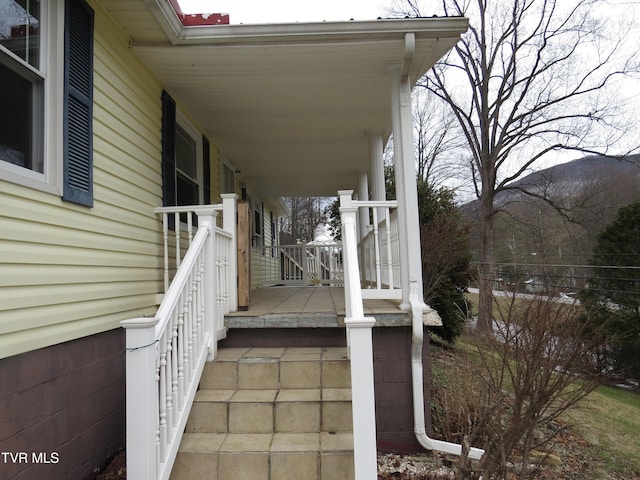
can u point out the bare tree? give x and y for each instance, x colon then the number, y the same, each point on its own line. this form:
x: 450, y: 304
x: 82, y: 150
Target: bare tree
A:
x: 437, y: 139
x: 529, y: 78
x: 307, y: 215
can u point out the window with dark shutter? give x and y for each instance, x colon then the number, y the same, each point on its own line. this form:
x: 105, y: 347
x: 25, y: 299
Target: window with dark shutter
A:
x: 78, y: 109
x: 168, y: 150
x: 186, y: 168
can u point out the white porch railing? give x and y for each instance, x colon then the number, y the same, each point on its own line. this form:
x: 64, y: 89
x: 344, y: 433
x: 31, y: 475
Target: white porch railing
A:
x: 166, y: 354
x: 360, y: 346
x: 310, y: 264
x: 380, y: 248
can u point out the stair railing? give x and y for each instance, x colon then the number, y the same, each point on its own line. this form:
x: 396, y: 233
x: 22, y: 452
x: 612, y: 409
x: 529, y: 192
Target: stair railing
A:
x: 380, y: 262
x: 166, y: 354
x: 360, y: 347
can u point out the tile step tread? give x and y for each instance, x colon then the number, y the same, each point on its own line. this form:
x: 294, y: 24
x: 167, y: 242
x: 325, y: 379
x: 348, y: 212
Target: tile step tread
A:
x: 273, y: 395
x: 323, y: 442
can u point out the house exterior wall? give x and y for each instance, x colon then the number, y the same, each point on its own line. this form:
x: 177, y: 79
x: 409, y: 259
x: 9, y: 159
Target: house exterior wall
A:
x: 265, y: 266
x: 69, y: 274
x: 71, y: 271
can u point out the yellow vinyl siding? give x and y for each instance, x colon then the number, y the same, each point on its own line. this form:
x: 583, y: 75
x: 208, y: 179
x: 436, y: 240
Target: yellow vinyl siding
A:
x: 68, y: 271
x: 263, y: 265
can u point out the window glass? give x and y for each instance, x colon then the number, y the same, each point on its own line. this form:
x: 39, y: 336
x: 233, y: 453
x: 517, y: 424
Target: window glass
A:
x: 20, y: 29
x: 186, y: 154
x: 228, y: 180
x: 16, y: 98
x: 21, y: 98
x: 187, y: 186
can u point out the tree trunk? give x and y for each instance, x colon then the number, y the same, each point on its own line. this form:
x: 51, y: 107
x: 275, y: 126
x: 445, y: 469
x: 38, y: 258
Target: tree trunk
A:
x: 486, y: 269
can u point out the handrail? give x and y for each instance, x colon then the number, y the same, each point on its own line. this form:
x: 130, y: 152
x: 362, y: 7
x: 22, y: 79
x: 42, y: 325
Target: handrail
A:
x: 360, y: 347
x: 165, y: 359
x: 380, y: 261
x: 299, y: 264
x: 166, y: 354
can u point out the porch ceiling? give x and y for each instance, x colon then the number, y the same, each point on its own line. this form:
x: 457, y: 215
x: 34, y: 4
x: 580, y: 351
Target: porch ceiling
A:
x: 290, y: 105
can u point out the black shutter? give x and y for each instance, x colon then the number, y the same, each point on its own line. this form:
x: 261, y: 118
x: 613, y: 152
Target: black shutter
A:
x: 78, y: 104
x: 206, y: 170
x: 168, y: 150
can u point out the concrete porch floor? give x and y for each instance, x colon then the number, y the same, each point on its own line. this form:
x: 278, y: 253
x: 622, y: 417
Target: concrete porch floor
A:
x: 310, y: 307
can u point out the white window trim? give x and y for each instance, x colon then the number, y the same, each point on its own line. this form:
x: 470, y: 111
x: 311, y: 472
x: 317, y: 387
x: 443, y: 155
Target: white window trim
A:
x: 190, y: 128
x: 52, y: 51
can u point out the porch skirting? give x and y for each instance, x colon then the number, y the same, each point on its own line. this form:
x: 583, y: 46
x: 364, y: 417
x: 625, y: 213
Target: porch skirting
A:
x: 63, y: 408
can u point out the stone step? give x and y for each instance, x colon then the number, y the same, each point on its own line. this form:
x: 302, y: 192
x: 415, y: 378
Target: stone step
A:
x: 271, y: 411
x: 270, y: 414
x: 280, y: 456
x: 276, y: 368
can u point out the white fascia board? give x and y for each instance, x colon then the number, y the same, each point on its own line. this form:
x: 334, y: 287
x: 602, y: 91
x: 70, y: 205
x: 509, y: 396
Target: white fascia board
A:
x: 273, y: 33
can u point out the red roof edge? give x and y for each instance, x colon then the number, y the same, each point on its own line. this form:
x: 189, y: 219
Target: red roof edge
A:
x: 198, y: 19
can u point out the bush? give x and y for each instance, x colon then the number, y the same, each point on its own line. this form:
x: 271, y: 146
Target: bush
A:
x: 513, y: 383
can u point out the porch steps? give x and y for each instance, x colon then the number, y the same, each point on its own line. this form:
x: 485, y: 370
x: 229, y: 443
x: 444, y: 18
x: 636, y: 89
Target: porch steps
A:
x: 270, y: 414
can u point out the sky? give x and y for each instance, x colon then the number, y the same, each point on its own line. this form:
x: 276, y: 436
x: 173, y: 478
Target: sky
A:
x: 287, y: 11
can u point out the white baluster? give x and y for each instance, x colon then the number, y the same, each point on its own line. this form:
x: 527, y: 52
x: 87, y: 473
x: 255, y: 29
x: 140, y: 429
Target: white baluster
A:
x: 165, y: 240
x: 177, y: 231
x: 179, y: 357
x: 387, y: 221
x: 163, y: 399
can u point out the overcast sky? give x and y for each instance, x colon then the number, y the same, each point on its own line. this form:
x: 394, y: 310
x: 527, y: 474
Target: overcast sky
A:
x: 286, y: 11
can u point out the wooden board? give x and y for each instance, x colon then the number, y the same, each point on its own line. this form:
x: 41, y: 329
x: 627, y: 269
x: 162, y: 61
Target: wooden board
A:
x: 244, y: 255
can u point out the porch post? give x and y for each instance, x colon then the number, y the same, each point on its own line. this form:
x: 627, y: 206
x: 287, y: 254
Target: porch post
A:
x: 360, y: 347
x: 378, y: 187
x: 376, y: 148
x: 346, y: 203
x: 406, y: 188
x: 229, y: 219
x: 363, y: 214
x: 142, y: 397
x: 207, y: 217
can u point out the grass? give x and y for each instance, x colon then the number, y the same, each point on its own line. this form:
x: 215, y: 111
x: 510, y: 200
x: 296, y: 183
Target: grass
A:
x: 609, y: 419
x: 603, y: 430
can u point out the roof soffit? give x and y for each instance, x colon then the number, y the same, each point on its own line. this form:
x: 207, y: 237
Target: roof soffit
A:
x: 290, y: 105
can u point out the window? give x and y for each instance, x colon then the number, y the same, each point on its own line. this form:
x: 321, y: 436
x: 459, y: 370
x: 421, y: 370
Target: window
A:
x: 257, y: 224
x: 22, y: 75
x: 185, y: 159
x: 228, y: 179
x: 187, y: 184
x: 46, y: 129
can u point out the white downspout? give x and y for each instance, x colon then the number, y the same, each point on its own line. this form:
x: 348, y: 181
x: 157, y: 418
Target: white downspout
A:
x: 417, y: 341
x: 403, y: 147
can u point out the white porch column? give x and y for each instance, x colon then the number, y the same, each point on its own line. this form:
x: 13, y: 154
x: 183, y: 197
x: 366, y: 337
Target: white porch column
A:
x: 377, y: 185
x: 406, y: 188
x: 363, y: 214
x: 376, y: 149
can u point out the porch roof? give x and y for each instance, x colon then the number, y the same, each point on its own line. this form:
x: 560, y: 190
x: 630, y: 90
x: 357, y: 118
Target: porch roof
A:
x: 290, y: 105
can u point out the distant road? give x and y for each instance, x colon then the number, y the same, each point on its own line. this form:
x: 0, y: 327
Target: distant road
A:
x: 530, y: 296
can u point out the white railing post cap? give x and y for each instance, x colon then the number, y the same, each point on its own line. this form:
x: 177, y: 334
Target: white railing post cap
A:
x: 141, y: 322
x: 362, y: 322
